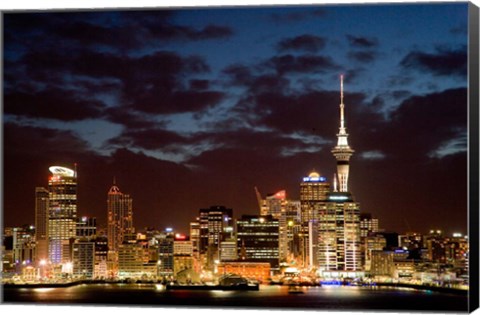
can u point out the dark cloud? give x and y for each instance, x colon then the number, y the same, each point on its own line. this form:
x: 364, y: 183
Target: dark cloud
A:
x: 441, y: 63
x: 129, y: 118
x: 57, y: 104
x: 199, y: 84
x: 301, y: 64
x: 297, y: 16
x: 238, y: 74
x: 307, y: 43
x: 362, y: 56
x: 362, y: 42
x: 120, y: 31
x: 401, y: 79
x: 142, y: 84
x: 149, y: 139
x: 167, y: 102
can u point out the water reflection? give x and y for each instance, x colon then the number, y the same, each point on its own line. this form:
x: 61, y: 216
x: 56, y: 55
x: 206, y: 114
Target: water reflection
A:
x: 325, y: 297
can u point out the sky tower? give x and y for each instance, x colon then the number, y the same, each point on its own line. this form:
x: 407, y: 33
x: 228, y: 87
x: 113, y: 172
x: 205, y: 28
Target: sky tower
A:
x: 342, y: 151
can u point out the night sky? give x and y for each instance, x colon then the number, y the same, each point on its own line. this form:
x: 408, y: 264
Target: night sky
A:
x: 193, y: 108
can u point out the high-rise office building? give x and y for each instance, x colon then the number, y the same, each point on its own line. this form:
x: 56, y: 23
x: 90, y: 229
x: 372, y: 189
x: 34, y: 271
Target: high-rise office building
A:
x: 195, y: 237
x: 83, y: 258
x: 119, y: 223
x: 165, y: 254
x: 368, y: 224
x: 213, y: 222
x: 313, y: 191
x: 84, y: 247
x: 41, y: 224
x: 62, y: 219
x: 86, y: 227
x: 258, y: 240
x: 313, y: 194
x: 287, y: 212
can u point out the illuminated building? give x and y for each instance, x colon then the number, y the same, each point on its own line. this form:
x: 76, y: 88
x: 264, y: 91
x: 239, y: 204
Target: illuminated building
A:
x: 23, y: 246
x: 313, y: 194
x: 251, y: 270
x: 62, y: 187
x: 195, y: 237
x: 41, y: 223
x: 436, y: 246
x: 165, y: 253
x: 86, y: 227
x: 372, y: 243
x: 457, y: 251
x: 130, y: 260
x: 213, y: 222
x: 285, y: 211
x: 119, y: 222
x: 410, y: 241
x: 339, y: 243
x: 101, y: 252
x: 293, y: 228
x: 228, y: 250
x: 83, y: 258
x: 258, y: 240
x: 137, y: 259
x: 182, y: 245
x: 339, y: 234
x: 83, y: 255
x: 313, y: 191
x: 368, y: 224
x: 381, y: 263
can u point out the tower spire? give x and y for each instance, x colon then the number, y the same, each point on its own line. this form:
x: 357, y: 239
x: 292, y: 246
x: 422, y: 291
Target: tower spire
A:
x: 342, y: 151
x: 342, y: 108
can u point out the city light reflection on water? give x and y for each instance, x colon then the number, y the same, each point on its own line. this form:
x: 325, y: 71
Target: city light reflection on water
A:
x: 325, y: 297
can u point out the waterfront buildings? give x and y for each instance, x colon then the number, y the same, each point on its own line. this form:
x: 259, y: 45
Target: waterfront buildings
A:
x: 287, y: 212
x: 213, y: 222
x: 119, y: 223
x: 313, y: 194
x: 62, y: 218
x: 258, y: 240
x: 41, y: 223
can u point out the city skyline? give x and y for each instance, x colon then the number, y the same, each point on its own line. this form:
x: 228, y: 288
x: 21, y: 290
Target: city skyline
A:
x: 191, y: 120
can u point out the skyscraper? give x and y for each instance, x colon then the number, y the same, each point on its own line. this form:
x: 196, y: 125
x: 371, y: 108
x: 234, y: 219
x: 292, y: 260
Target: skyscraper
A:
x: 119, y: 222
x: 213, y: 222
x: 287, y: 212
x: 313, y: 191
x: 313, y: 194
x: 62, y: 187
x: 258, y: 240
x: 41, y: 224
